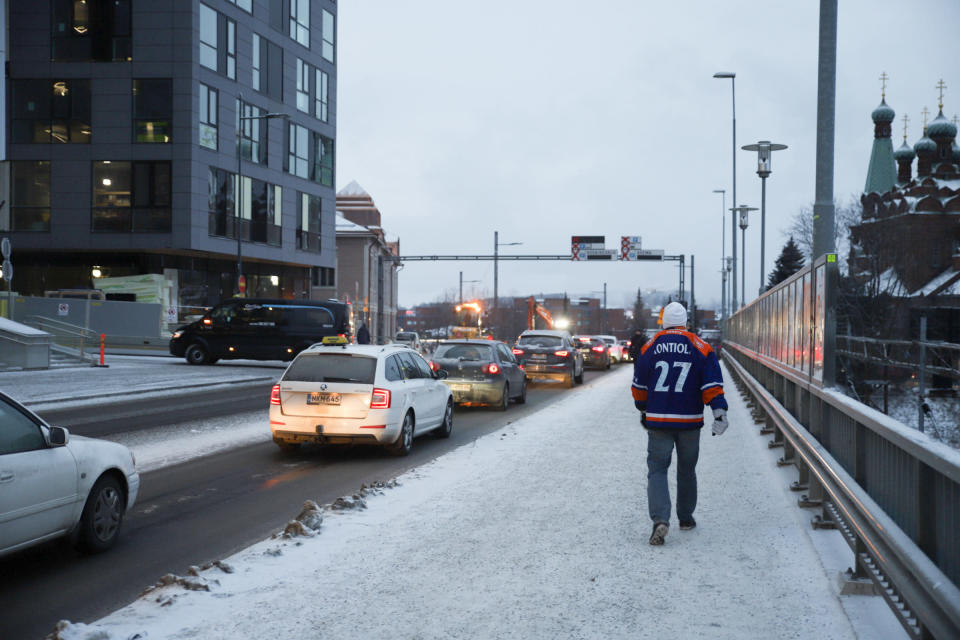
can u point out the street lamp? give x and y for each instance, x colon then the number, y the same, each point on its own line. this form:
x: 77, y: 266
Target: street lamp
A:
x: 743, y: 210
x: 461, y: 286
x: 239, y: 199
x: 733, y: 229
x: 764, y: 150
x: 496, y: 252
x: 723, y: 252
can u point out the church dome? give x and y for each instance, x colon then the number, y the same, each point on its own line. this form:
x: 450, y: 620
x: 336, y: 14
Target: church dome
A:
x: 904, y: 152
x: 883, y: 113
x: 941, y: 128
x: 925, y: 145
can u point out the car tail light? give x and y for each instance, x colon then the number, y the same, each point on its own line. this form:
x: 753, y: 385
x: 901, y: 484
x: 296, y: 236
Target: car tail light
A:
x: 493, y: 367
x: 563, y: 353
x: 207, y: 321
x: 434, y: 366
x: 629, y: 343
x: 598, y: 349
x: 380, y: 399
x: 517, y: 352
x: 275, y: 394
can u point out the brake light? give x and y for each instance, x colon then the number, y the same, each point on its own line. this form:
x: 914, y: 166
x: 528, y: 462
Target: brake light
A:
x: 207, y: 321
x: 563, y: 353
x: 275, y: 394
x: 380, y: 399
x: 434, y: 366
x: 598, y: 349
x: 493, y: 367
x: 517, y: 352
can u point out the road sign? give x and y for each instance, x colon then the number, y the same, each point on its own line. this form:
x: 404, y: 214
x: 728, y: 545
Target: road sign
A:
x: 642, y: 254
x: 63, y: 309
x: 242, y: 284
x: 7, y: 270
x: 5, y: 248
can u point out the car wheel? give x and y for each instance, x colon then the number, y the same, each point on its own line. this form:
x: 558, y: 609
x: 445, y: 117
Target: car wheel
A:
x: 504, y: 397
x: 197, y: 354
x: 443, y: 431
x: 571, y: 380
x: 102, y: 515
x: 522, y: 398
x: 404, y: 442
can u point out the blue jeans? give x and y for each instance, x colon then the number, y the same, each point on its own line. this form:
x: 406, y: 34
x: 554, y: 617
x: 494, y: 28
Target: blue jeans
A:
x: 660, y: 445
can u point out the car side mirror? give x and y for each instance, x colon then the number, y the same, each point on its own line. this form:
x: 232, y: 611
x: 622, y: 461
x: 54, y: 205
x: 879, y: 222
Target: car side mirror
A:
x: 58, y: 436
x: 441, y: 374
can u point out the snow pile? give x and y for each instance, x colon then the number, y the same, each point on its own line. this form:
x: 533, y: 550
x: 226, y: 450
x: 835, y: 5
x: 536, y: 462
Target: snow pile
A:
x: 538, y: 530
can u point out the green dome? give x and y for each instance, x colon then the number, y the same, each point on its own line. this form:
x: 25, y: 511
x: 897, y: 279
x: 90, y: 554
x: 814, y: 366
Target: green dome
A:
x: 925, y: 145
x: 904, y: 153
x: 883, y: 113
x: 941, y: 128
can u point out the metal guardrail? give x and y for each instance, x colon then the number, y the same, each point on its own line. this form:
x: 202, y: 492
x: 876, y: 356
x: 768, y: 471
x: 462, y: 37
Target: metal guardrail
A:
x: 72, y: 339
x: 911, y: 495
x: 894, y: 492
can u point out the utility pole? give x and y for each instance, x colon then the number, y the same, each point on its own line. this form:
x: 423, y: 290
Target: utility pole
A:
x: 603, y: 317
x: 496, y: 255
x: 693, y: 297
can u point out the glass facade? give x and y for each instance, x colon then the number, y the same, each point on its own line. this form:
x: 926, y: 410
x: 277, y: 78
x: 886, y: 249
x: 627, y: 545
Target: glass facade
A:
x: 50, y: 111
x: 91, y: 30
x: 131, y: 197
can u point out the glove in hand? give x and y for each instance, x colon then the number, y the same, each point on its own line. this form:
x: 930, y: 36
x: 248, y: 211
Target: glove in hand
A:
x: 720, y: 422
x: 639, y: 405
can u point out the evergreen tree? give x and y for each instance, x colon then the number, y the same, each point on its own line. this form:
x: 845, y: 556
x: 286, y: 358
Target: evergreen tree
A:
x: 640, y: 313
x: 790, y: 261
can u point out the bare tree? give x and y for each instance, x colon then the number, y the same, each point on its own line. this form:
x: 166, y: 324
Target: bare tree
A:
x: 800, y: 228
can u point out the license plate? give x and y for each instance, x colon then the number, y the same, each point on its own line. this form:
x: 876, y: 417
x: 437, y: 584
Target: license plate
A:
x: 538, y: 356
x: 317, y: 397
x: 460, y: 387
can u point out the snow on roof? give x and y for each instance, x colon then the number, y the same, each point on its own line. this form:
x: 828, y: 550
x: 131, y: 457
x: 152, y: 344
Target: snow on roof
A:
x: 342, y: 224
x: 938, y: 282
x: 353, y: 189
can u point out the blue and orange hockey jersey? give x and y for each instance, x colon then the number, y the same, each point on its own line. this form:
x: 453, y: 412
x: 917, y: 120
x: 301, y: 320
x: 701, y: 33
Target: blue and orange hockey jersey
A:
x: 675, y: 374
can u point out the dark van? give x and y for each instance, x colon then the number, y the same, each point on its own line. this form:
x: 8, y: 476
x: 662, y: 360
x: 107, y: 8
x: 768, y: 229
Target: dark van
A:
x: 261, y: 329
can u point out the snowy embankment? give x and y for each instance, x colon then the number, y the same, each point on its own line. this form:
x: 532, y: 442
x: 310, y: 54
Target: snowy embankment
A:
x: 536, y: 531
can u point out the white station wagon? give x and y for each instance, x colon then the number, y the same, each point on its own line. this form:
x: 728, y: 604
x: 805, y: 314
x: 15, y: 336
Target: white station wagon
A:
x: 359, y: 394
x: 53, y: 484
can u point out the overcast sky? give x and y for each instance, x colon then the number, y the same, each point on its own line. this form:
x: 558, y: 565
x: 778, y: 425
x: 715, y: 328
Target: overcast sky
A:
x: 545, y: 119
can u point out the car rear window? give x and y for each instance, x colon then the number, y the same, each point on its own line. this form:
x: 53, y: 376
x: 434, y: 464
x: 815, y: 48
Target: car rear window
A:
x: 541, y: 341
x: 332, y: 367
x: 465, y: 351
x: 406, y: 336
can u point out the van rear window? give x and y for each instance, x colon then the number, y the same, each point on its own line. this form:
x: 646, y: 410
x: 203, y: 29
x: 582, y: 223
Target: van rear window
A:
x: 332, y: 367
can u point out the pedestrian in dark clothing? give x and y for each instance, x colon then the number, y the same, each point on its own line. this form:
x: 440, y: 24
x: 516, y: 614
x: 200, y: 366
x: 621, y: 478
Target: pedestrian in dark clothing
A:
x: 363, y: 334
x: 675, y: 375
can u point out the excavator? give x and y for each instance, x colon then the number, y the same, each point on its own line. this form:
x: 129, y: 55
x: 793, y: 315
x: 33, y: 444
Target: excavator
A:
x: 533, y: 310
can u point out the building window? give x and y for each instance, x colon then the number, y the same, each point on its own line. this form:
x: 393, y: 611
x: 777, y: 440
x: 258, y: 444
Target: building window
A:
x: 308, y: 223
x: 30, y: 183
x: 208, y: 117
x: 298, y: 152
x: 208, y: 37
x: 131, y: 197
x: 152, y: 110
x: 50, y: 111
x: 255, y: 82
x: 231, y: 62
x: 220, y: 200
x: 261, y: 209
x: 320, y: 96
x: 303, y: 86
x: 328, y: 32
x: 322, y: 156
x: 300, y: 21
x: 246, y: 5
x: 324, y: 277
x: 85, y: 30
x: 253, y: 133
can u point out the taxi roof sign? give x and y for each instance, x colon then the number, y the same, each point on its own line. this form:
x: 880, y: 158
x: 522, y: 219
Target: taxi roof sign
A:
x: 334, y: 340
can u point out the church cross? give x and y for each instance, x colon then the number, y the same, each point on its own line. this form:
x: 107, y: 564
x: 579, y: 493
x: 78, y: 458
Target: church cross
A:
x: 906, y: 119
x: 925, y: 112
x: 883, y: 86
x: 941, y: 86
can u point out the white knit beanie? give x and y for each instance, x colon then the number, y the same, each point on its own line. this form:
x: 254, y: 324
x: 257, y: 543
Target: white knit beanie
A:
x: 674, y: 315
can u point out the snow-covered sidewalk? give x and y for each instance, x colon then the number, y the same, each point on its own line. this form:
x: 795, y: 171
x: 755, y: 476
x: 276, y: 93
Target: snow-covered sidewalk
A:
x: 537, y: 531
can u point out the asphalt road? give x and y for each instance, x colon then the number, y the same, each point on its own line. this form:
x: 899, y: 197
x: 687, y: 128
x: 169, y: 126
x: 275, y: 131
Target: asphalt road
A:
x: 207, y: 509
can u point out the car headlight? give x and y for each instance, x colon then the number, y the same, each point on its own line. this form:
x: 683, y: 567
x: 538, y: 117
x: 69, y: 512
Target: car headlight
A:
x: 177, y: 334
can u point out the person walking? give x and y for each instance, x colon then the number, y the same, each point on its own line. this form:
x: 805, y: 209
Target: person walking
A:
x: 363, y: 334
x: 675, y: 375
x: 636, y: 341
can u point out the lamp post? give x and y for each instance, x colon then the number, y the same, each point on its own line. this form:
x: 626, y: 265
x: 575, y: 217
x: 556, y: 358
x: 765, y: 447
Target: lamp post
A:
x: 723, y: 252
x: 733, y: 229
x: 764, y: 150
x: 496, y: 252
x: 743, y: 210
x: 239, y: 198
